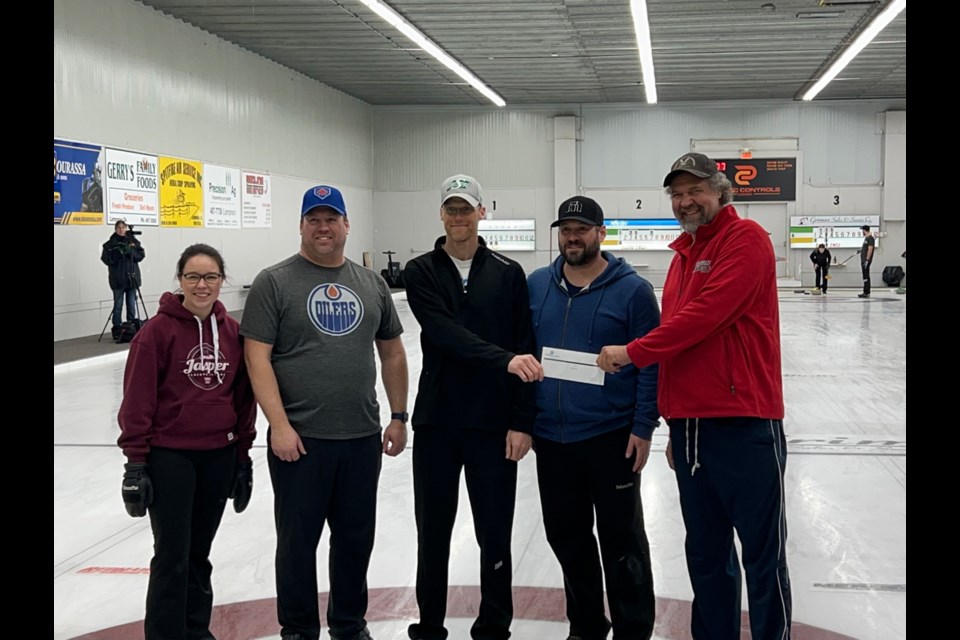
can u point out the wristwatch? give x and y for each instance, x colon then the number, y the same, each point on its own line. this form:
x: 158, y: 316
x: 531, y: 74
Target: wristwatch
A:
x: 402, y: 416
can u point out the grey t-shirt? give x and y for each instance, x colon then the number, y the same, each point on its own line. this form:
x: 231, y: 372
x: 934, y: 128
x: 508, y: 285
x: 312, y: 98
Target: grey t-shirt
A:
x: 322, y: 323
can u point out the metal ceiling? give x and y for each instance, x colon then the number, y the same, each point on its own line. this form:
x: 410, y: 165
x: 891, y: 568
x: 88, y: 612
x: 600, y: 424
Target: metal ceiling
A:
x: 566, y: 51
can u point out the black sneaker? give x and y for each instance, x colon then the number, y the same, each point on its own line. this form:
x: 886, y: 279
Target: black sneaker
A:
x: 863, y: 295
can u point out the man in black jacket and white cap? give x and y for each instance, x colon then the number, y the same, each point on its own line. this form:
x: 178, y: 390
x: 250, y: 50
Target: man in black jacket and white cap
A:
x: 474, y: 410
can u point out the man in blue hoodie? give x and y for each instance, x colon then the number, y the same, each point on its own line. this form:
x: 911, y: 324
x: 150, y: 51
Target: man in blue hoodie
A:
x: 593, y: 438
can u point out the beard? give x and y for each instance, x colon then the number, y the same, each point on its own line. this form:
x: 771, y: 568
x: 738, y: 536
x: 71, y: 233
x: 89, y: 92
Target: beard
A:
x: 585, y: 256
x: 691, y: 222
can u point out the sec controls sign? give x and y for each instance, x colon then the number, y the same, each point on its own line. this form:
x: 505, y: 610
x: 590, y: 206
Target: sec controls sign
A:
x: 761, y: 179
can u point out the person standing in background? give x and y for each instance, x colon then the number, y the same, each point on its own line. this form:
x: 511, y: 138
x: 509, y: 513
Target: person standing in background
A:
x: 122, y: 253
x: 866, y: 259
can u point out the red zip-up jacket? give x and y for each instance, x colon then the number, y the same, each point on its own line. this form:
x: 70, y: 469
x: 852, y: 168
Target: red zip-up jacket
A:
x: 718, y: 343
x: 186, y: 386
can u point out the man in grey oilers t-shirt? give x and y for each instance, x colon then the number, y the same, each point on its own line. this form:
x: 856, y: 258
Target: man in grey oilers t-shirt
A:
x: 310, y: 326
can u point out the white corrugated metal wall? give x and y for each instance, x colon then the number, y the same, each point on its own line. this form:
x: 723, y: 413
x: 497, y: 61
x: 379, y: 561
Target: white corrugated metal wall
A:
x: 128, y: 77
x: 622, y: 149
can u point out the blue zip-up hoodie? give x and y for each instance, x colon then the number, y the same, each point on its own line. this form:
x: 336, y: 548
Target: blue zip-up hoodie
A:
x: 615, y: 308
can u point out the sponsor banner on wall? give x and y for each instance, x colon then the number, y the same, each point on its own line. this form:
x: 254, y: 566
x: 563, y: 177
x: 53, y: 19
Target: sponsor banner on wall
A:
x: 761, y: 179
x: 222, y: 197
x: 131, y: 180
x: 77, y: 183
x: 256, y: 199
x: 181, y: 192
x: 834, y: 232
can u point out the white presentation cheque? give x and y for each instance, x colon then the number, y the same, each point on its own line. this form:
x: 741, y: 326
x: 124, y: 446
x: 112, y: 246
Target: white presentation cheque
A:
x: 575, y: 366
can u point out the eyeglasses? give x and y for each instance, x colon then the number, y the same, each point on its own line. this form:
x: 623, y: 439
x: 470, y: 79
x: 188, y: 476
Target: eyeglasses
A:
x: 459, y: 211
x: 209, y: 278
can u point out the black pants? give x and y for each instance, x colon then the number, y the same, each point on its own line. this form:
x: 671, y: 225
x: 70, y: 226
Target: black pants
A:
x: 730, y: 475
x: 439, y: 454
x: 865, y: 269
x: 822, y: 271
x: 577, y: 480
x: 334, y: 483
x: 190, y: 490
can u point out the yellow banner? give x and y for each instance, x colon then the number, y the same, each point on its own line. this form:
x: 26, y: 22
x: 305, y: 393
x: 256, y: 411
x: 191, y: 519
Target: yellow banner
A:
x: 181, y: 193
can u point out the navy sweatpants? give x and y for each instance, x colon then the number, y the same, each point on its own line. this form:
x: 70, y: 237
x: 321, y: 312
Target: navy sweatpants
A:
x: 730, y: 476
x: 335, y: 484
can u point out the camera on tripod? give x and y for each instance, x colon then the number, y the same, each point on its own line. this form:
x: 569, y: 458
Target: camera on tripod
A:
x: 131, y: 231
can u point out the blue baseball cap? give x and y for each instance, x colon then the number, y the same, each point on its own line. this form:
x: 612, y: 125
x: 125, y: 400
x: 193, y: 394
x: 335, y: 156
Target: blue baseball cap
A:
x: 323, y: 196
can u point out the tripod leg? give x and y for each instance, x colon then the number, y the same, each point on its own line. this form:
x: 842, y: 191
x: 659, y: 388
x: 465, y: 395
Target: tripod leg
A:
x: 146, y: 316
x: 104, y: 330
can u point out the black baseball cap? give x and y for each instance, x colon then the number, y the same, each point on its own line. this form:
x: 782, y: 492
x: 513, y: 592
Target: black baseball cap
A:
x: 579, y: 208
x: 695, y: 164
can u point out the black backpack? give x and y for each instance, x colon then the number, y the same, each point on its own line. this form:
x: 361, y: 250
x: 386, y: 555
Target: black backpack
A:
x: 128, y: 330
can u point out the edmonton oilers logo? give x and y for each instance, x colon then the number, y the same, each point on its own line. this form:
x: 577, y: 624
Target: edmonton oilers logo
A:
x: 334, y: 309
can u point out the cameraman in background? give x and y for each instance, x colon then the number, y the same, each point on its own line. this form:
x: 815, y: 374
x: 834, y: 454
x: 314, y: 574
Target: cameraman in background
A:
x: 122, y: 254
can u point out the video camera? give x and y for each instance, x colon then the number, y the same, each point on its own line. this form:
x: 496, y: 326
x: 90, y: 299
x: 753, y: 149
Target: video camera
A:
x: 132, y: 232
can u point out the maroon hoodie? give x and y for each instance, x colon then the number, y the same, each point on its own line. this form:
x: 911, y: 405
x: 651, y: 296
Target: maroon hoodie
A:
x: 186, y: 384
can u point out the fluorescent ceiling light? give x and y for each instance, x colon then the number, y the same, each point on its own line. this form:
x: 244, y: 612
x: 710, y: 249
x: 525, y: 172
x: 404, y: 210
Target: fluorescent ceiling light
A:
x: 400, y: 24
x: 866, y: 36
x: 642, y: 27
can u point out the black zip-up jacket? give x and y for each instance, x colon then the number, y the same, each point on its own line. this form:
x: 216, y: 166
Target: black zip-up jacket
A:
x: 121, y: 255
x: 821, y: 259
x: 468, y: 338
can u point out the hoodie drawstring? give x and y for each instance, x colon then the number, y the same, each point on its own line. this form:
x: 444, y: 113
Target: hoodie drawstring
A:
x: 216, y: 345
x: 543, y: 302
x: 696, y: 444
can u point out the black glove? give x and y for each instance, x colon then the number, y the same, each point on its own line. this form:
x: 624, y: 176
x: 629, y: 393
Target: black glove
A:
x: 242, y: 486
x: 137, y: 489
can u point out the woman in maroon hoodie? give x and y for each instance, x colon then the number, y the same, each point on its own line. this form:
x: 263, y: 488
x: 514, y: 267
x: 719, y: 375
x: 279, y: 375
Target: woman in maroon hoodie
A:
x: 187, y: 423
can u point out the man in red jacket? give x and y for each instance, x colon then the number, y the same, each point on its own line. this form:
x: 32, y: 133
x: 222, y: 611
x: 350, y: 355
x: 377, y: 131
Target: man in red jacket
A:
x: 720, y: 391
